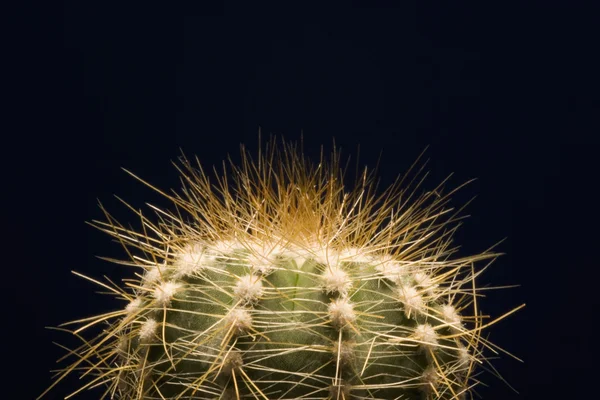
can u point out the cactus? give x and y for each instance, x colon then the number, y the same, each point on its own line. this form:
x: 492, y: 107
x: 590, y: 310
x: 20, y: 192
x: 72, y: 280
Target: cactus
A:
x: 276, y: 282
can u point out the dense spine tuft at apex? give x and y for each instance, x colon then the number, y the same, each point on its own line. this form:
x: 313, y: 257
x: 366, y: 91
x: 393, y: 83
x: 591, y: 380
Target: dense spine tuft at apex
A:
x: 276, y: 281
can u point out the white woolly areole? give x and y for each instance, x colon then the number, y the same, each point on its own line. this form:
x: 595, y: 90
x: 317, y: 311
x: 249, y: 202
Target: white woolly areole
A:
x: 336, y: 280
x: 430, y: 379
x: 411, y: 299
x: 355, y: 255
x: 263, y: 266
x: 464, y: 358
x: 249, y: 288
x: 344, y: 352
x: 264, y: 256
x: 314, y: 250
x: 239, y: 319
x: 148, y: 330
x: 341, y: 312
x: 451, y: 316
x: 123, y: 346
x: 426, y: 335
x: 165, y: 292
x: 191, y: 259
x: 221, y: 248
x: 325, y: 255
x: 290, y: 251
x: 298, y: 254
x: 233, y: 361
x: 341, y: 390
x: 424, y: 280
x: 390, y: 268
x: 152, y: 275
x: 225, y: 246
x: 134, y: 306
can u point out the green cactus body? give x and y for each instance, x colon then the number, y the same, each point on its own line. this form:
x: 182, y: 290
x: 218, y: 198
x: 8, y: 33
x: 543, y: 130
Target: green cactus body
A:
x: 282, y: 285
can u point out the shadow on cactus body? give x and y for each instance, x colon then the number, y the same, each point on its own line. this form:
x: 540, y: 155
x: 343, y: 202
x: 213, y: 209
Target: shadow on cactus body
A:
x: 278, y: 283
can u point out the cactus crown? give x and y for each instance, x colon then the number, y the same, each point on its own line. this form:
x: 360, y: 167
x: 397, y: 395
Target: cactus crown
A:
x: 275, y: 282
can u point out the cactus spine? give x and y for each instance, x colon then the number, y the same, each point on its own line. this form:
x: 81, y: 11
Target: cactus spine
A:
x: 278, y: 283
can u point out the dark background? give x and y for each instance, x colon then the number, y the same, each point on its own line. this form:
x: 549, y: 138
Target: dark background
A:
x: 503, y: 92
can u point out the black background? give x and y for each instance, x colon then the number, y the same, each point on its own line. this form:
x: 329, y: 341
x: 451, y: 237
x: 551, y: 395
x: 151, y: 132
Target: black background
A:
x: 503, y: 92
